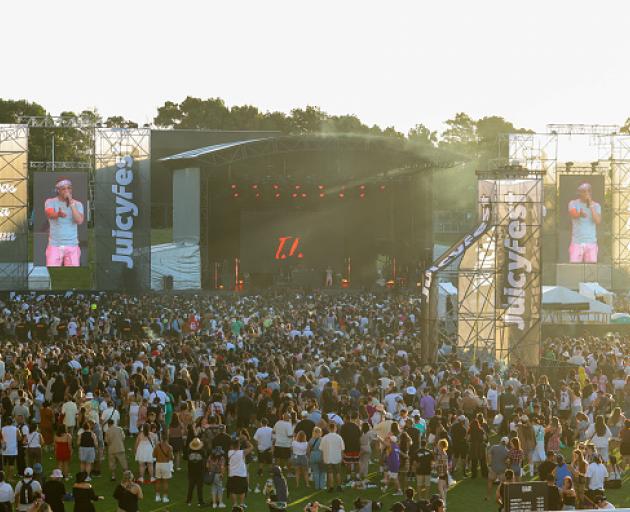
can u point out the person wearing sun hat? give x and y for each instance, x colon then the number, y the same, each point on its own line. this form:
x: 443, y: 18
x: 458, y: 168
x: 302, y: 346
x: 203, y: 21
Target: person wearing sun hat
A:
x: 196, y: 469
x: 54, y: 490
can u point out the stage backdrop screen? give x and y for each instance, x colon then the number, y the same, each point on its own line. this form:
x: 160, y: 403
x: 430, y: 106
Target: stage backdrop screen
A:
x: 274, y: 241
x: 582, y: 220
x: 60, y: 219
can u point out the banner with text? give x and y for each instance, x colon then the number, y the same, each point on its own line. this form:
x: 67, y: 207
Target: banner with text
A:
x: 13, y: 207
x: 123, y: 209
x: 517, y: 209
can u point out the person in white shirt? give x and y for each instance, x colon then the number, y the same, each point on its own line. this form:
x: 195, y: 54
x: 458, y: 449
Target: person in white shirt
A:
x: 332, y: 447
x: 237, y: 470
x: 283, y: 437
x: 264, y: 442
x: 599, y: 434
x: 596, y: 475
x: 6, y: 493
x: 109, y: 413
x: 10, y: 449
x: 69, y: 410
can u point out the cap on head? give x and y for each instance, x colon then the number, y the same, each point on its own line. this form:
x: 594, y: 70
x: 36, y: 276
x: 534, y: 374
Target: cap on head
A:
x: 28, y: 472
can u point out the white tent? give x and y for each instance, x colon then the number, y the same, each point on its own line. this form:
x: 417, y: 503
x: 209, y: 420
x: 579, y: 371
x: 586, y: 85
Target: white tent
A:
x: 180, y: 261
x: 561, y: 305
x: 597, y: 292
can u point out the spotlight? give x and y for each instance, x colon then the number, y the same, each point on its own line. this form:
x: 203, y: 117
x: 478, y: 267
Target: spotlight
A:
x: 255, y: 187
x: 298, y: 187
x: 275, y: 186
x: 341, y: 195
x: 320, y: 187
x: 322, y: 195
x: 362, y: 195
x: 277, y: 195
x: 294, y: 195
x: 362, y: 187
x: 235, y: 195
x: 257, y: 195
x: 382, y: 188
x: 233, y: 186
x: 304, y: 194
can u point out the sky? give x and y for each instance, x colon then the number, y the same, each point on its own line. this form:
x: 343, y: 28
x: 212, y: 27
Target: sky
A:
x: 389, y: 62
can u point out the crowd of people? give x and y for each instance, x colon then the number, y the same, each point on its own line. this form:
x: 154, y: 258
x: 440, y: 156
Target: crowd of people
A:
x: 276, y: 393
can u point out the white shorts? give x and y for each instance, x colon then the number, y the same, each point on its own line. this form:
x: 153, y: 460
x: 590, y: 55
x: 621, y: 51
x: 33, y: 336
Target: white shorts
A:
x: 163, y: 471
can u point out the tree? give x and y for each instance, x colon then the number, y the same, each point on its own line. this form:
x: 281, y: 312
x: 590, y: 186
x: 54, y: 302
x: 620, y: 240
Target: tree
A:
x: 119, y: 122
x: 308, y: 120
x: 420, y: 134
x: 461, y: 134
x: 11, y: 110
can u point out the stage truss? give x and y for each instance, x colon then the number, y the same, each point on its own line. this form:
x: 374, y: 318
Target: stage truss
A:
x: 13, y: 207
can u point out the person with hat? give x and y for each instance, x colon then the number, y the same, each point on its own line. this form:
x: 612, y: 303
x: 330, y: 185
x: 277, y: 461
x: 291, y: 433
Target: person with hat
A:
x: 64, y: 215
x: 128, y: 493
x: 26, y: 490
x: 55, y: 490
x: 497, y: 463
x: 196, y: 467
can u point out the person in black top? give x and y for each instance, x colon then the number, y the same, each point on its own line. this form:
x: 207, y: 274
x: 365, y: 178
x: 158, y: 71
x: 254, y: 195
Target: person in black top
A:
x: 477, y: 438
x: 196, y: 470
x: 128, y: 493
x: 554, y: 498
x: 350, y: 432
x: 84, y: 494
x: 507, y: 480
x: 305, y: 425
x: 410, y: 504
x: 424, y: 459
x: 54, y: 490
x: 546, y: 467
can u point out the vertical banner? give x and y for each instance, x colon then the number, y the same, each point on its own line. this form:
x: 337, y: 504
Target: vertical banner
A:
x: 518, y: 209
x: 122, y: 213
x: 13, y: 207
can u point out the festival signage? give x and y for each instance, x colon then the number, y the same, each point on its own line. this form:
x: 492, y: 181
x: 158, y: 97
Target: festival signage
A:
x: 123, y: 209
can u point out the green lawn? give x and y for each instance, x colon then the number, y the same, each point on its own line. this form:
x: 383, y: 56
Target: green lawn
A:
x: 467, y: 495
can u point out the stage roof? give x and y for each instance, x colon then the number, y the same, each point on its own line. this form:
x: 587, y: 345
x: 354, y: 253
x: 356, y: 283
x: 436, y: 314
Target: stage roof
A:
x: 401, y: 151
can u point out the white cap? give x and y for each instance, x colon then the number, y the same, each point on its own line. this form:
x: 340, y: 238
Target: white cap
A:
x: 28, y: 472
x: 411, y: 390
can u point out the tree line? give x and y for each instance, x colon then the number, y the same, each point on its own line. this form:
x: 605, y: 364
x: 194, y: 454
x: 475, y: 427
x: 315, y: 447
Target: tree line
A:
x: 463, y: 134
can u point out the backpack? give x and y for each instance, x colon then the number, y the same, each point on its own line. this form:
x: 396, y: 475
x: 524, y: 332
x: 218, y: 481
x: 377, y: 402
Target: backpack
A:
x: 26, y: 493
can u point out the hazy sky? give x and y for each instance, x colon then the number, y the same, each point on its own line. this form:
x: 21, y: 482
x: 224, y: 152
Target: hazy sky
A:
x: 389, y: 62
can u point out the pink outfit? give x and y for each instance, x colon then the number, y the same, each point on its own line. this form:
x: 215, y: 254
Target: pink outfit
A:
x: 583, y: 253
x: 63, y: 256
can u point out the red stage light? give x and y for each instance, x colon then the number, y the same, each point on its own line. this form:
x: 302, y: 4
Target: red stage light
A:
x: 277, y: 195
x: 298, y: 187
x: 235, y: 195
x: 303, y: 194
x: 294, y: 195
x: 382, y: 187
x: 275, y: 186
x: 362, y: 187
x: 255, y: 187
x: 341, y: 195
x: 233, y: 186
x: 362, y: 195
x: 322, y: 194
x: 257, y: 195
x: 320, y: 187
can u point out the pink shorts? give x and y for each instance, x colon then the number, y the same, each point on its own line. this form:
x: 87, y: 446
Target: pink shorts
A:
x: 583, y: 253
x: 63, y: 256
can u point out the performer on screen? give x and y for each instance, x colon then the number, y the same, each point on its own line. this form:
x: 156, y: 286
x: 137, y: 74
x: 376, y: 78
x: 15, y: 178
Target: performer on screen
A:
x: 64, y: 215
x: 585, y: 216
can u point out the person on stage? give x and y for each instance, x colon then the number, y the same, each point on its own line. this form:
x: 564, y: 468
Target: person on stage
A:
x: 329, y: 277
x: 585, y: 215
x: 64, y: 214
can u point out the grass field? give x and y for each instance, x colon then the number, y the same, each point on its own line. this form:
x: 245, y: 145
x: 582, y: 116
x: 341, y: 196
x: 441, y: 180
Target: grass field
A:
x: 466, y: 495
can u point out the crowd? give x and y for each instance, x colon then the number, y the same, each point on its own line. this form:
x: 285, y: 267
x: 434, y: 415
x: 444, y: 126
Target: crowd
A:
x: 269, y: 394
